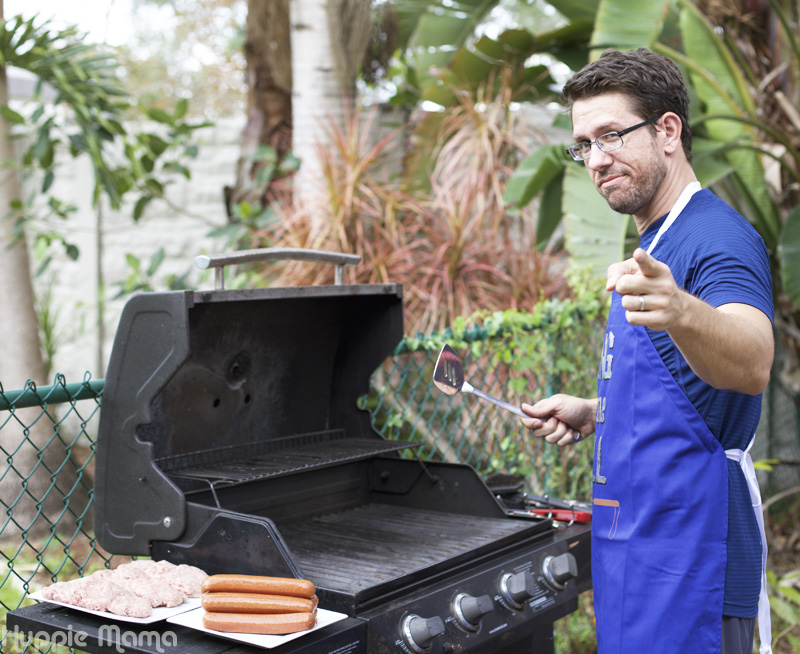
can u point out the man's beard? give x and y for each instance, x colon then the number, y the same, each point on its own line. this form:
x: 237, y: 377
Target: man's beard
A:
x: 640, y: 191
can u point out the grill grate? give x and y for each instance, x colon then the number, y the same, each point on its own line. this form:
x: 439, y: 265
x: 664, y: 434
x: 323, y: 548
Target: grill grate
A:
x: 376, y: 545
x: 264, y: 459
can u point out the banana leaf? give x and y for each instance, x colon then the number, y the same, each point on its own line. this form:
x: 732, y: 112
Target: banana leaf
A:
x: 549, y: 217
x: 475, y: 64
x: 707, y: 163
x: 435, y: 29
x: 534, y: 174
x: 722, y: 88
x: 568, y: 44
x: 595, y: 233
x: 628, y: 24
x: 576, y: 10
x: 789, y: 256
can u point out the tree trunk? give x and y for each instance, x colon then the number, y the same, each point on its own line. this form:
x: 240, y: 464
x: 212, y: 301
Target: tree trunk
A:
x: 329, y: 38
x: 26, y: 487
x: 267, y: 51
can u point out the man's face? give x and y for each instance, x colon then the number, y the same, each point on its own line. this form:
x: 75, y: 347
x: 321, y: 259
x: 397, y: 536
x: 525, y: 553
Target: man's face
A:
x: 628, y: 178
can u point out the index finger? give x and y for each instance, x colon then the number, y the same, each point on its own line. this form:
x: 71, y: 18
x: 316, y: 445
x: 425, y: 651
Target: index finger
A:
x: 648, y: 264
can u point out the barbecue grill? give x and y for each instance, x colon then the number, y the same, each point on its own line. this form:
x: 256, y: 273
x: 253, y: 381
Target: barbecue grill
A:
x: 231, y: 439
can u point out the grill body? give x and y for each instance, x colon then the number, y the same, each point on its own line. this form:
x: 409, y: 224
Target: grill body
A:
x: 231, y: 439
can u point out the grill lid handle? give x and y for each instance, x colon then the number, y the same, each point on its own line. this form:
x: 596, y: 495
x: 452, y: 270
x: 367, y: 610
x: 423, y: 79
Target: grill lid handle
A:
x: 219, y: 261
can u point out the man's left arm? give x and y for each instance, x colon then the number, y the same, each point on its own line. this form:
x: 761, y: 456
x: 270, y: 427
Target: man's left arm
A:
x: 729, y: 347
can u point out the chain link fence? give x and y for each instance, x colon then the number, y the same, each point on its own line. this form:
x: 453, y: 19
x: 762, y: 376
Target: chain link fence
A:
x: 47, y: 437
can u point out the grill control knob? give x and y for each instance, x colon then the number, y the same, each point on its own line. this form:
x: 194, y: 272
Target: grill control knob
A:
x: 558, y: 570
x: 469, y: 610
x: 418, y: 632
x: 517, y: 587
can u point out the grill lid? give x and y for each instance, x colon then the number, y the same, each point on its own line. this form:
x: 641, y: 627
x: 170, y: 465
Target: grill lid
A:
x: 198, y: 377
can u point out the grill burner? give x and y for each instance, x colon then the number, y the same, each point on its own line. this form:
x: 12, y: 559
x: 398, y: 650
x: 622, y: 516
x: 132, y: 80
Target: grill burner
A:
x: 230, y: 438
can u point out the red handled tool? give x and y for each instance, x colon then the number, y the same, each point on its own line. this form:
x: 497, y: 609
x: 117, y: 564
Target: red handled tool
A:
x: 564, y: 515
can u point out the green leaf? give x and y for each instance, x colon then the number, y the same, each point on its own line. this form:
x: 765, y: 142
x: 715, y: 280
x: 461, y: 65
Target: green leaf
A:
x: 474, y: 65
x: 148, y: 163
x: 156, y: 144
x: 11, y: 116
x: 155, y: 185
x: 766, y: 464
x: 576, y: 10
x: 180, y: 108
x: 264, y: 175
x: 534, y: 174
x: 72, y: 251
x: 141, y: 204
x: 595, y: 232
x: 155, y: 262
x: 178, y: 168
x: 784, y: 609
x: 47, y: 181
x: 708, y: 161
x: 243, y: 210
x: 723, y: 90
x: 705, y: 47
x: 42, y: 149
x: 133, y: 262
x: 791, y: 594
x: 789, y: 256
x: 289, y: 164
x: 159, y: 115
x: 628, y: 24
x: 550, y: 214
x: 230, y: 232
x: 440, y: 29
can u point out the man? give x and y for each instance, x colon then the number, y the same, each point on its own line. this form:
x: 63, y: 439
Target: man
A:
x: 676, y: 549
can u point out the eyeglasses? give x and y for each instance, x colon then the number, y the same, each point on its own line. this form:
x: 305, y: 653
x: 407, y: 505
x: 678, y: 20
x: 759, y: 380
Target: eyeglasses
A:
x: 606, y: 142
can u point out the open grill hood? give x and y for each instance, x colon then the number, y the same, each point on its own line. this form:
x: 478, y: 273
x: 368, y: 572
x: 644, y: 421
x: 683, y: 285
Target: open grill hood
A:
x: 266, y: 378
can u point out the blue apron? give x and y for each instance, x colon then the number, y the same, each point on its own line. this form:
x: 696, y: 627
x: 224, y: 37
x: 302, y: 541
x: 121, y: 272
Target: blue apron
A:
x: 660, y: 495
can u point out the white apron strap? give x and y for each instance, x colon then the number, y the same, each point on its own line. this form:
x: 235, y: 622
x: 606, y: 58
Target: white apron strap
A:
x: 683, y: 200
x: 764, y: 620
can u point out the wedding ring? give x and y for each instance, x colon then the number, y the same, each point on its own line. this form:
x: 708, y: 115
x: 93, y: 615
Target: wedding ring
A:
x: 641, y: 303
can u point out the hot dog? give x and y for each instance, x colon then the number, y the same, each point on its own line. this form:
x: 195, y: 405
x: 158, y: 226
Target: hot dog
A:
x: 257, y: 584
x: 225, y: 602
x: 253, y: 623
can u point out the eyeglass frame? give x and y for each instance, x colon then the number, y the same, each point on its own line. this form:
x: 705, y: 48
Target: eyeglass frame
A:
x: 619, y: 134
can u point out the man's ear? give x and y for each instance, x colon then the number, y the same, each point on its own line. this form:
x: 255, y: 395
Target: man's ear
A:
x: 671, y: 127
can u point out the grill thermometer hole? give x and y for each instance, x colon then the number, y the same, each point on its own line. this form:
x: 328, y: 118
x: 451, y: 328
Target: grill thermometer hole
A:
x: 216, y: 402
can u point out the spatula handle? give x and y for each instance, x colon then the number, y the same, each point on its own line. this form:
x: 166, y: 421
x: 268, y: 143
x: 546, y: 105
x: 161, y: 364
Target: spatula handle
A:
x: 469, y: 388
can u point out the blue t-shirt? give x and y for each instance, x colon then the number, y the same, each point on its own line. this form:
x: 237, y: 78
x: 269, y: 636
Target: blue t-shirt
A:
x: 717, y: 256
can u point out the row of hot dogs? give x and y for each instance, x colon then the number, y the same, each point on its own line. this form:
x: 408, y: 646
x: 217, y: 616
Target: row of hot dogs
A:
x: 258, y: 605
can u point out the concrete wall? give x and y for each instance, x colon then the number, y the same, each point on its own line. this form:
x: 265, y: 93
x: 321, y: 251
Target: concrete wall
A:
x: 104, y: 237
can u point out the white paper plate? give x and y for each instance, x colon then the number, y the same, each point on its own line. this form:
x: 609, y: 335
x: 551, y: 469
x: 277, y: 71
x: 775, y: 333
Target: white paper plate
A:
x: 194, y: 620
x: 158, y: 614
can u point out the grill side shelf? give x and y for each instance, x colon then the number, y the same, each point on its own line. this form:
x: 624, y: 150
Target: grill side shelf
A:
x: 238, y: 464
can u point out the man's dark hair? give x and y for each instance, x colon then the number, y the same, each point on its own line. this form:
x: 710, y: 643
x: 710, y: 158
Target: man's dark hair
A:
x: 653, y: 83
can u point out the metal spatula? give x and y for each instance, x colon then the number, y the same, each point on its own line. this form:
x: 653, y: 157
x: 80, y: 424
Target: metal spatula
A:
x: 448, y: 376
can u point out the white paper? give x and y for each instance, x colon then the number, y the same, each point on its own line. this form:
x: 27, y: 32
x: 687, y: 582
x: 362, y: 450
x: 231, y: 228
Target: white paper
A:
x: 158, y: 614
x: 194, y: 620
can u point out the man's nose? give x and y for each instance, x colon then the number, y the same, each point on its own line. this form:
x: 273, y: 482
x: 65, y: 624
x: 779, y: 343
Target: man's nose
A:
x: 599, y: 159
